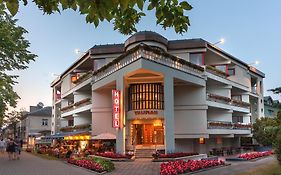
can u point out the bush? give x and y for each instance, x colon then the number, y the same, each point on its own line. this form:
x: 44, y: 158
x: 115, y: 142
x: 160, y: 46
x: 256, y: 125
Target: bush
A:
x: 277, y: 146
x: 106, y: 164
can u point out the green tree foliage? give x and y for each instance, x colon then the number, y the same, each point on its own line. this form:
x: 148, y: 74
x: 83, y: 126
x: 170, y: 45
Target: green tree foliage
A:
x: 264, y: 130
x: 13, y: 56
x: 124, y: 14
x: 276, y: 90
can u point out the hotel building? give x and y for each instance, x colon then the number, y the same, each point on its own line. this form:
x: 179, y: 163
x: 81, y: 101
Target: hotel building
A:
x: 150, y: 92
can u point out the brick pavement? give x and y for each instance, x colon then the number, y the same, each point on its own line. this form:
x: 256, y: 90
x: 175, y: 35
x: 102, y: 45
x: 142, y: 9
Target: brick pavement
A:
x: 32, y: 165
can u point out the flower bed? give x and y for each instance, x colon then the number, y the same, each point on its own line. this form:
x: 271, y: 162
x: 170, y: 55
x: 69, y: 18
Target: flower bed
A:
x: 180, y: 166
x: 95, y: 164
x: 176, y: 155
x: 254, y: 155
x: 113, y: 155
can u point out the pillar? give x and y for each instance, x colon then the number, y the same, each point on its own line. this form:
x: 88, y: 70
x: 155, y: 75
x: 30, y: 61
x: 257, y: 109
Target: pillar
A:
x: 169, y: 114
x: 120, y: 136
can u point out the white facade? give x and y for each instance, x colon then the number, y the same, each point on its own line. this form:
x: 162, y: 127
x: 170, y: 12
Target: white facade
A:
x: 172, y: 94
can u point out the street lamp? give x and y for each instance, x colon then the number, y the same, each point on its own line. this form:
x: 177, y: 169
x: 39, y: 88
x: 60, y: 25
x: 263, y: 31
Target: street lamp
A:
x: 257, y: 62
x: 221, y: 41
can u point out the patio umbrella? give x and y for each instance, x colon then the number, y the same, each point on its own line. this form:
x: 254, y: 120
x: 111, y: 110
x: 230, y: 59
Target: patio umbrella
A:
x: 104, y: 136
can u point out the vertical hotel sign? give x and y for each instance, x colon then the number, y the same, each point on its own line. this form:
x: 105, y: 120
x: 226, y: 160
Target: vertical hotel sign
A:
x: 116, y: 109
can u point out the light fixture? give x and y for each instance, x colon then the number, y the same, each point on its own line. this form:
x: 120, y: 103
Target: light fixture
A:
x: 257, y: 62
x: 221, y: 41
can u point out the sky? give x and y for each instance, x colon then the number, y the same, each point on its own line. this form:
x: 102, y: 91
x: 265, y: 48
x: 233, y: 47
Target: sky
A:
x: 251, y: 29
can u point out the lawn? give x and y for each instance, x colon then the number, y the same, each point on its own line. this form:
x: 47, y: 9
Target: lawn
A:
x: 269, y: 169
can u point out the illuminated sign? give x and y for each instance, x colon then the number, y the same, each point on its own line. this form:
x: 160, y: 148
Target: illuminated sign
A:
x: 116, y: 109
x: 146, y: 112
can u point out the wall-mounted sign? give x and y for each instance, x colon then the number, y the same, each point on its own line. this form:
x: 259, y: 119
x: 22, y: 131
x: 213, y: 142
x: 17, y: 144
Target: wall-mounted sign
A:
x: 146, y: 112
x: 116, y: 108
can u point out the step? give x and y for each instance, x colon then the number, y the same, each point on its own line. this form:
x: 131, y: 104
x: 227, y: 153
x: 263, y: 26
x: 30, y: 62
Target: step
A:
x: 144, y: 153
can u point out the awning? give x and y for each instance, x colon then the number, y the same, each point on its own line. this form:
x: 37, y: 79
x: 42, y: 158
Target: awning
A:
x: 104, y: 136
x: 34, y: 134
x: 61, y: 135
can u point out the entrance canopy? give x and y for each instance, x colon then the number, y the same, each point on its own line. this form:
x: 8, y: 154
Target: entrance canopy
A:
x: 104, y: 136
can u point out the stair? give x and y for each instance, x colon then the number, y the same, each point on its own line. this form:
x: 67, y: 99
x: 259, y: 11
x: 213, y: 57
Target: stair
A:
x: 144, y: 153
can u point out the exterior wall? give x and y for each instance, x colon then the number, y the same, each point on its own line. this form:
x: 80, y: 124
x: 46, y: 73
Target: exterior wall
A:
x: 102, y: 112
x: 35, y: 123
x: 184, y: 145
x: 241, y: 76
x: 82, y: 119
x: 219, y: 115
x: 190, y: 114
x: 220, y: 90
x: 270, y: 111
x: 78, y: 96
x: 66, y: 84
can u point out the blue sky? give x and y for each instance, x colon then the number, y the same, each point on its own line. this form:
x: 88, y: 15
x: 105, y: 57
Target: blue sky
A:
x: 251, y: 28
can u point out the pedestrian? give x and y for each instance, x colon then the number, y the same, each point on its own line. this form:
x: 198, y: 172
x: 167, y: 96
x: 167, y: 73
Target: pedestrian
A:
x: 17, y: 144
x: 10, y: 148
x: 2, y: 146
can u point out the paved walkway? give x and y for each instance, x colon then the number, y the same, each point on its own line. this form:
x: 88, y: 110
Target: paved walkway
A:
x: 33, y: 165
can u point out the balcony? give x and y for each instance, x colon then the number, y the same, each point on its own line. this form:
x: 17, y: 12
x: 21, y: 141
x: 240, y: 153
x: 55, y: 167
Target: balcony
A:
x: 227, y: 101
x: 215, y: 71
x: 147, y: 53
x: 82, y: 127
x: 76, y: 105
x: 82, y: 78
x: 229, y: 125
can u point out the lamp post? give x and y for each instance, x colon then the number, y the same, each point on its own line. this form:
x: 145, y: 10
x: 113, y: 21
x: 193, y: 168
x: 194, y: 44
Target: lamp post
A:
x: 221, y: 41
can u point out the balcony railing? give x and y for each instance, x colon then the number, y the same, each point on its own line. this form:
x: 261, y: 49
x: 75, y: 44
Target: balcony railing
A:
x: 148, y: 53
x: 76, y: 128
x: 228, y: 125
x: 226, y: 100
x: 216, y: 71
x: 76, y: 105
x: 83, y: 78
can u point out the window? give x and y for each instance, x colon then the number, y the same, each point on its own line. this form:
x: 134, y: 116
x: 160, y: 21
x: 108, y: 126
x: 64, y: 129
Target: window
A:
x: 146, y: 96
x: 231, y: 71
x: 197, y: 58
x: 70, y: 122
x: 237, y: 119
x: 237, y: 97
x: 98, y: 64
x: 222, y: 67
x: 44, y: 122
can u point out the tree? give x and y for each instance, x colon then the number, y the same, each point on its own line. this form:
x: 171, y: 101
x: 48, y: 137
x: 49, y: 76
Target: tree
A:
x: 124, y: 14
x: 12, y: 118
x: 276, y: 90
x: 13, y: 56
x: 264, y: 130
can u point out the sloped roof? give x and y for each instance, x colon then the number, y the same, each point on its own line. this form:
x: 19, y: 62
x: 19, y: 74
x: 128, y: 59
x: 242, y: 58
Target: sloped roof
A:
x: 46, y: 111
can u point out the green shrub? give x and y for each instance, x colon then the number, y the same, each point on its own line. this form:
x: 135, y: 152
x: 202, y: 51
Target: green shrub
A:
x: 277, y: 146
x: 106, y: 164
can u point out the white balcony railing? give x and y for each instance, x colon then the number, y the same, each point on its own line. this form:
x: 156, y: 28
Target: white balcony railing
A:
x: 229, y: 125
x: 226, y: 100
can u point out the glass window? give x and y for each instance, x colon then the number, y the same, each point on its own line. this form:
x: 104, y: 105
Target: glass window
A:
x: 98, y: 64
x: 145, y: 96
x: 237, y: 97
x: 196, y: 58
x: 221, y: 67
x: 231, y: 71
x: 44, y: 122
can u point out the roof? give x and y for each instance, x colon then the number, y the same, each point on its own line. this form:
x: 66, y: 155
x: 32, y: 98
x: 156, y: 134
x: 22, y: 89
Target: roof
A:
x: 152, y: 36
x: 46, y: 111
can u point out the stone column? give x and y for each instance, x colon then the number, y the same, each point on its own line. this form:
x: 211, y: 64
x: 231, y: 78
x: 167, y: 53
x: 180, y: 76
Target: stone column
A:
x: 169, y: 113
x: 120, y: 137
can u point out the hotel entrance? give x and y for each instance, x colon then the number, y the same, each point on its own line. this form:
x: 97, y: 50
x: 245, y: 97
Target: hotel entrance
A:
x: 147, y: 134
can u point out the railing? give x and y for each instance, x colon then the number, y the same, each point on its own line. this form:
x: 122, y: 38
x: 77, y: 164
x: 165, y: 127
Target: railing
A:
x: 76, y: 128
x: 228, y: 125
x: 218, y: 98
x: 76, y: 105
x: 83, y: 78
x: 148, y: 53
x: 226, y: 100
x: 216, y: 71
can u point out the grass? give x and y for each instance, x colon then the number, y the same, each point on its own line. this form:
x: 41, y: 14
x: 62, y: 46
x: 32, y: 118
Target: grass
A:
x: 269, y: 169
